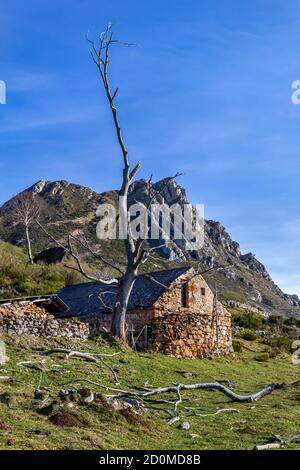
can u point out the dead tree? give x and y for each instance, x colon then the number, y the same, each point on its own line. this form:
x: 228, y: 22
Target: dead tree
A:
x: 137, y: 249
x: 25, y: 209
x: 136, y: 252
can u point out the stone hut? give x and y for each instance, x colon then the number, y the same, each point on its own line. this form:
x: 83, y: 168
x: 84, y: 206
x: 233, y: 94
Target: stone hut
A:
x: 178, y: 314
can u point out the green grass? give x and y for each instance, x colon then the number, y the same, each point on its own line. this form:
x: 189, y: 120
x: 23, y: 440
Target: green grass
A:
x: 104, y: 428
x: 18, y: 278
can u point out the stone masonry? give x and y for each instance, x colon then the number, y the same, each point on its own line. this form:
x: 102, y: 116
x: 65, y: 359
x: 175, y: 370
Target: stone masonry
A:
x: 200, y: 329
x: 29, y: 319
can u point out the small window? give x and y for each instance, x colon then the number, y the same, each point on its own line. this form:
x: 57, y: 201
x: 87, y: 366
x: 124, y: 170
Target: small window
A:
x: 202, y: 290
x: 184, y: 295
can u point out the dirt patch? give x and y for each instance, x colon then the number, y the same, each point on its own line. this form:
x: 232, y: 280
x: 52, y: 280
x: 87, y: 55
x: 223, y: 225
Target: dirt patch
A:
x: 132, y: 418
x: 65, y: 420
x: 103, y: 400
x: 4, y: 426
x: 5, y: 398
x: 247, y: 430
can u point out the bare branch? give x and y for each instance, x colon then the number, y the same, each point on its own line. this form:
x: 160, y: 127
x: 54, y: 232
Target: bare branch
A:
x: 69, y: 352
x: 70, y: 250
x: 154, y: 196
x: 135, y: 170
x: 222, y: 410
x: 267, y: 390
x: 155, y: 281
x: 86, y: 245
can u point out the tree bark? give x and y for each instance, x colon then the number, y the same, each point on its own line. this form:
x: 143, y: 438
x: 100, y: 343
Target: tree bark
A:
x: 118, y: 326
x: 29, y: 250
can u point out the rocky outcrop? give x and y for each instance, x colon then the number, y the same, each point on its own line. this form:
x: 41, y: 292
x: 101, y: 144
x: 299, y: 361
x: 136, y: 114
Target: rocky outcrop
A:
x: 252, y: 263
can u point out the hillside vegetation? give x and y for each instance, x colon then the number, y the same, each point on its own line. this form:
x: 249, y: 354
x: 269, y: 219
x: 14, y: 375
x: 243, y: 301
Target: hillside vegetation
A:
x: 30, y: 421
x: 18, y: 278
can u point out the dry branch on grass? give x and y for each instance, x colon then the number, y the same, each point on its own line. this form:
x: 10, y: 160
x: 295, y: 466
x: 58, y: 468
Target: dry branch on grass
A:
x: 206, y: 386
x: 69, y: 353
x: 174, y: 416
x: 90, y: 357
x: 178, y: 388
x: 38, y: 365
x: 276, y: 442
x: 222, y: 410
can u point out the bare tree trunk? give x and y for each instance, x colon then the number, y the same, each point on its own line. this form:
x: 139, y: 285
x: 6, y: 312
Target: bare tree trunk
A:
x: 118, y: 326
x: 29, y: 251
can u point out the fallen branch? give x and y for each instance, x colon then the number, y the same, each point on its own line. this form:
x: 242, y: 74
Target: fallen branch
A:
x: 270, y: 446
x: 211, y: 386
x: 200, y: 386
x: 90, y: 357
x: 107, y: 355
x: 111, y: 369
x: 173, y: 420
x: 179, y: 399
x: 33, y: 365
x: 69, y: 353
x: 277, y: 442
x: 223, y: 410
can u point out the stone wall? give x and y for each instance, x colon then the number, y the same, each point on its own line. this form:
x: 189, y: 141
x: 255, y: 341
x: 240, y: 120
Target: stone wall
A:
x: 135, y: 321
x: 192, y: 335
x: 191, y: 331
x: 32, y: 320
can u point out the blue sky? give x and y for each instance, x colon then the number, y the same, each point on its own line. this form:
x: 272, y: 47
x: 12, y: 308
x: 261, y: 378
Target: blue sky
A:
x: 207, y: 91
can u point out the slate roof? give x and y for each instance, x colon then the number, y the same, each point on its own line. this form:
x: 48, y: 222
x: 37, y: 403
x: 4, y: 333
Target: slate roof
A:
x: 83, y: 299
x: 52, y: 303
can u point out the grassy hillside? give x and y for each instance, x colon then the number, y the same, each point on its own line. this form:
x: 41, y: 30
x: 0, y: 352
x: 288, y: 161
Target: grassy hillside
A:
x: 18, y: 278
x: 26, y: 423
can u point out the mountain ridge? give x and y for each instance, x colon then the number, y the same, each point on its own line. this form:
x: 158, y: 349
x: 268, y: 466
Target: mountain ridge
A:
x: 71, y: 208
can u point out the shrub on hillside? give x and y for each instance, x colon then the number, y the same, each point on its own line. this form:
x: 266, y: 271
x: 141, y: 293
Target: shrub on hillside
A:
x: 281, y: 343
x: 263, y: 357
x: 237, y: 345
x: 249, y: 335
x: 249, y: 320
x: 275, y: 320
x: 236, y: 296
x: 19, y: 278
x: 51, y: 283
x: 292, y: 321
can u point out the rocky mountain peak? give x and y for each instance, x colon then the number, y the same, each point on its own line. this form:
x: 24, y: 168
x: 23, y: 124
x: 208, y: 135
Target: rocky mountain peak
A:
x: 221, y: 238
x: 171, y: 191
x: 251, y: 262
x: 38, y: 187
